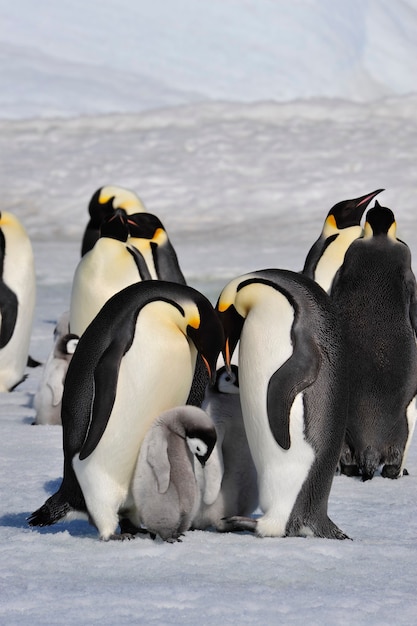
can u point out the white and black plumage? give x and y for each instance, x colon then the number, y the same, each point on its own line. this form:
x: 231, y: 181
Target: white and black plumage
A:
x: 164, y: 487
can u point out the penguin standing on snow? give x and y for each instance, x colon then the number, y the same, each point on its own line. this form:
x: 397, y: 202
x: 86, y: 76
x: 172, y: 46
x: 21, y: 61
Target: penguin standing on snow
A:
x: 102, y: 205
x: 17, y: 300
x: 375, y: 295
x: 48, y: 397
x: 228, y: 481
x: 164, y: 486
x: 293, y: 396
x: 135, y: 360
x: 341, y: 227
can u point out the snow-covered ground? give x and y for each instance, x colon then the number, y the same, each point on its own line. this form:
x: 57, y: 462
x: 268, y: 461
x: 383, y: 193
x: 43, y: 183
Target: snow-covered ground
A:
x: 221, y: 121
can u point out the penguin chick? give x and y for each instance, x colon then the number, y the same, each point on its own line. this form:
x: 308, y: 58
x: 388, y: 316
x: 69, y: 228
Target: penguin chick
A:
x: 48, y: 397
x: 375, y: 295
x: 17, y: 300
x: 228, y: 482
x: 102, y: 205
x: 164, y: 488
x: 341, y: 227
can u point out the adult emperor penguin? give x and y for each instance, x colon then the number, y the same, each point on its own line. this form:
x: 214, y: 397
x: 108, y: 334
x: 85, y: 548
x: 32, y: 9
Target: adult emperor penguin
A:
x: 106, y: 269
x: 342, y: 226
x: 135, y: 360
x: 149, y: 237
x: 48, y: 397
x: 375, y: 295
x: 102, y: 205
x: 164, y: 486
x: 228, y: 481
x: 293, y: 394
x: 17, y: 300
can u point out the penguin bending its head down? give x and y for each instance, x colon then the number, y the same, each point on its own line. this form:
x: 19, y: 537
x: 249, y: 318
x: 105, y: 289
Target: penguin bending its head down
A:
x: 135, y: 360
x: 164, y: 486
x: 375, y: 295
x: 17, y: 300
x: 228, y: 481
x: 148, y: 235
x: 48, y: 397
x: 341, y: 227
x: 293, y: 396
x: 102, y: 205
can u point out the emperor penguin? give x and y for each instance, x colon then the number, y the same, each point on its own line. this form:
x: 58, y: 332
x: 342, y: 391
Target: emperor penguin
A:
x: 17, y: 300
x: 135, y: 360
x: 228, y: 481
x: 293, y: 395
x: 375, y: 295
x: 106, y: 269
x: 102, y: 205
x: 164, y: 486
x: 48, y: 397
x: 341, y: 227
x: 148, y: 235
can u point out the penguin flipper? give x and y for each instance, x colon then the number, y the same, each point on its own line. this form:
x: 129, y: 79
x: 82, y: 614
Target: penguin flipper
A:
x: 105, y: 384
x: 296, y: 374
x: 8, y: 310
x: 157, y: 457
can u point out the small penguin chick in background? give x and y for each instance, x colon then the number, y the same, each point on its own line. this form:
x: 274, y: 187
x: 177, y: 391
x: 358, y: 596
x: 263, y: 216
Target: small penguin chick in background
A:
x: 228, y: 482
x: 48, y: 397
x: 164, y: 486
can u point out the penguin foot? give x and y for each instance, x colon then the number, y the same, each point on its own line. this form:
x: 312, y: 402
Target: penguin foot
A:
x: 121, y: 537
x: 391, y: 471
x: 238, y: 523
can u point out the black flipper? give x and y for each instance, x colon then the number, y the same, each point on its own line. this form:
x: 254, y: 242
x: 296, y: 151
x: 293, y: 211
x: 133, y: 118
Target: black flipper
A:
x: 8, y: 310
x: 296, y: 374
x: 105, y: 384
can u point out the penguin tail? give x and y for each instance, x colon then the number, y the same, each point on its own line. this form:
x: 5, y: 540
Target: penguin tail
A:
x: 369, y: 463
x: 54, y: 510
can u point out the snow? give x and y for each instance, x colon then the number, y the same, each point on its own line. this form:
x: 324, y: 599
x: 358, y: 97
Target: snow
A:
x: 239, y: 124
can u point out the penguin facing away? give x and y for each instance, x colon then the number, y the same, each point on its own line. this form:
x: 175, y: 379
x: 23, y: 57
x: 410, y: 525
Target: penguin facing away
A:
x: 48, y: 397
x: 106, y: 269
x: 293, y: 396
x: 164, y: 486
x: 134, y: 361
x: 342, y: 226
x: 102, y: 205
x: 149, y: 237
x: 375, y: 295
x: 17, y: 300
x: 228, y: 481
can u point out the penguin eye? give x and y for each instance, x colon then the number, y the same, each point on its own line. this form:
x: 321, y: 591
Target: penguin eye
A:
x: 228, y: 379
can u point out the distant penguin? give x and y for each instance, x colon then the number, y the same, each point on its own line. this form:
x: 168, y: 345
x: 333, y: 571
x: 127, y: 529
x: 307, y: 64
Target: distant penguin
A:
x: 228, y: 481
x: 103, y: 271
x: 48, y: 397
x: 17, y: 300
x: 341, y: 227
x: 135, y: 360
x: 149, y: 237
x: 164, y: 487
x: 375, y: 296
x: 102, y: 205
x: 293, y: 396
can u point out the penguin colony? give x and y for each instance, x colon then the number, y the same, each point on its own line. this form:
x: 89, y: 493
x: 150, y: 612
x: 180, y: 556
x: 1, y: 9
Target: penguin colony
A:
x: 161, y: 438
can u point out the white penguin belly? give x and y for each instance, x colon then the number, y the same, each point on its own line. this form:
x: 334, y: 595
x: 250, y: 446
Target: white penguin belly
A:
x: 264, y: 346
x: 148, y: 384
x: 333, y: 256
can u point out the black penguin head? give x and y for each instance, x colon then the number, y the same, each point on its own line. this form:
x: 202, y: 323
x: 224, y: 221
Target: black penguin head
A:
x: 232, y: 323
x: 144, y: 225
x: 380, y: 221
x: 115, y: 226
x: 208, y: 337
x: 349, y: 212
x: 99, y: 209
x: 65, y: 346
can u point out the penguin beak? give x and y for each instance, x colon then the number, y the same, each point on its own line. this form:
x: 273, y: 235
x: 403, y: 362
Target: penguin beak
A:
x: 365, y: 200
x: 232, y: 324
x: 208, y: 338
